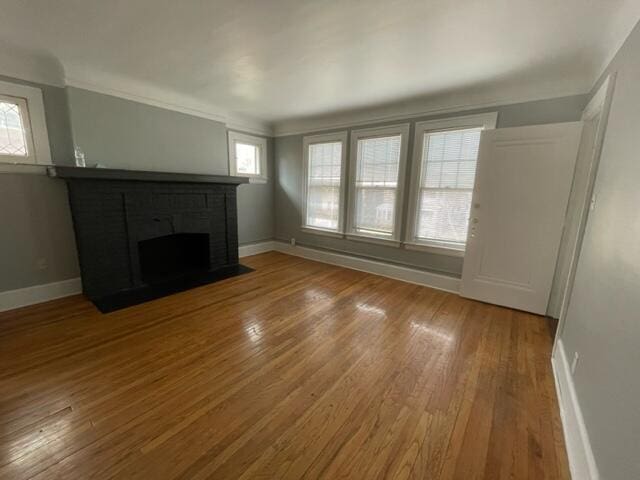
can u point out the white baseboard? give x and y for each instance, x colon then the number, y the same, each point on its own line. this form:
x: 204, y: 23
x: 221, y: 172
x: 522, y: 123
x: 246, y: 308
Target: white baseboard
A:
x: 39, y: 293
x: 256, y: 248
x: 50, y: 291
x: 406, y: 274
x: 581, y: 460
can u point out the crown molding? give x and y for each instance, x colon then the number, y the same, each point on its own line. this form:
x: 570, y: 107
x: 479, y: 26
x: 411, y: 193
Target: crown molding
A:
x: 30, y: 66
x: 201, y: 110
x: 399, y: 112
x: 631, y: 22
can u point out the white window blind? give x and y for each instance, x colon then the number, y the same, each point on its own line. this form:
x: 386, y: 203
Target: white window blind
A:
x: 13, y: 135
x: 376, y: 184
x: 446, y: 186
x: 324, y: 172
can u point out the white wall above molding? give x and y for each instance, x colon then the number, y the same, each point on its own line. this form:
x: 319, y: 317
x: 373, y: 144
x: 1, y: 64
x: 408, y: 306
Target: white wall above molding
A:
x: 31, y: 66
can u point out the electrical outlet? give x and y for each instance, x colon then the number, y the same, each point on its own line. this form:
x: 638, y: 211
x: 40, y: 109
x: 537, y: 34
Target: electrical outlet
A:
x: 41, y: 264
x: 574, y: 363
x: 293, y: 242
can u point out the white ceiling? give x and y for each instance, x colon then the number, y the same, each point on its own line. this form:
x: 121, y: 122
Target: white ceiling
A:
x: 275, y: 60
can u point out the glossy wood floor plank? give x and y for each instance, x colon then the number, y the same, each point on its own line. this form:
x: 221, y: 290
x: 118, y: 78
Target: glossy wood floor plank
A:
x: 296, y: 370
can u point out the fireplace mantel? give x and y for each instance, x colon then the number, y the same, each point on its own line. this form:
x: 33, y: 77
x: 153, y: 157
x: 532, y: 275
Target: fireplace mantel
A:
x: 87, y: 173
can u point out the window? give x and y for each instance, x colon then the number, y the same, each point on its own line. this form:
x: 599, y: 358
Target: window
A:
x: 377, y: 176
x: 445, y: 159
x: 23, y: 131
x: 248, y: 157
x: 324, y: 168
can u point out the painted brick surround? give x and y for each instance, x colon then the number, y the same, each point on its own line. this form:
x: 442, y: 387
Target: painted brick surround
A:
x: 111, y: 217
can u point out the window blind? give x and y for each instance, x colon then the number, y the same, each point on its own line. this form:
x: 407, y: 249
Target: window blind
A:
x: 376, y: 183
x: 446, y: 185
x: 324, y: 171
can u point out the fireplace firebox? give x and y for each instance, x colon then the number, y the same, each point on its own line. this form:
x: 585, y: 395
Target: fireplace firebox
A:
x: 173, y: 256
x: 143, y: 235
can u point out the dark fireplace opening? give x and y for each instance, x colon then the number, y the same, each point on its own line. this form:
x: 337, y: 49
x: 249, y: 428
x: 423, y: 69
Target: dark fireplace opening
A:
x: 172, y: 256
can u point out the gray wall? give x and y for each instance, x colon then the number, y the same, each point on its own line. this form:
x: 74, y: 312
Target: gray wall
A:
x: 36, y: 239
x: 603, y: 319
x: 37, y: 244
x: 119, y: 133
x: 288, y: 188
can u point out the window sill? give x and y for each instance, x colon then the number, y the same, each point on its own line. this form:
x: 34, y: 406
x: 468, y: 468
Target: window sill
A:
x: 258, y: 180
x: 431, y: 248
x: 389, y: 242
x: 319, y: 231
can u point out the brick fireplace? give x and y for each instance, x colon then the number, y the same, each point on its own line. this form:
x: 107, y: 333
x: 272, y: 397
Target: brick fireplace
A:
x: 142, y: 235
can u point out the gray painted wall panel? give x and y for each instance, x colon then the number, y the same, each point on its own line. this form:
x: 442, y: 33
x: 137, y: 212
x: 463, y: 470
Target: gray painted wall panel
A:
x: 116, y: 133
x: 119, y: 133
x: 36, y: 226
x: 34, y: 211
x: 603, y: 319
x: 288, y: 189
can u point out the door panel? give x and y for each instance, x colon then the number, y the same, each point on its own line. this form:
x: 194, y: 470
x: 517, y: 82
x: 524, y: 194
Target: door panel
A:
x: 522, y: 187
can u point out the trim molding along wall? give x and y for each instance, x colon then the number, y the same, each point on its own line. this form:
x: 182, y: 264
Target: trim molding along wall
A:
x: 405, y: 274
x: 581, y: 460
x: 39, y: 293
x: 43, y: 293
x: 401, y: 112
x: 174, y: 103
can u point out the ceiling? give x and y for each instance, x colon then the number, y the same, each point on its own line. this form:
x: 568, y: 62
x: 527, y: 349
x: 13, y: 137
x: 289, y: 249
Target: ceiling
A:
x: 276, y: 60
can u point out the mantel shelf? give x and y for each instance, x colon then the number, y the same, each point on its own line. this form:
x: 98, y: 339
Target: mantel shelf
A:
x: 86, y: 173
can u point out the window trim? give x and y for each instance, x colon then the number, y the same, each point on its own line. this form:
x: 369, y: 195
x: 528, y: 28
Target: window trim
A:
x: 403, y: 130
x: 34, y: 123
x: 307, y: 141
x: 486, y: 121
x: 260, y: 143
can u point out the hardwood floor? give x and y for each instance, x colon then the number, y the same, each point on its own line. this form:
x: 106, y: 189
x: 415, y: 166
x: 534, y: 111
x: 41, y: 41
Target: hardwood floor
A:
x: 297, y: 370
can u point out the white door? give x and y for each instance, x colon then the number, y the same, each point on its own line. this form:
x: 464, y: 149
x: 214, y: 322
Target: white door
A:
x: 519, y: 202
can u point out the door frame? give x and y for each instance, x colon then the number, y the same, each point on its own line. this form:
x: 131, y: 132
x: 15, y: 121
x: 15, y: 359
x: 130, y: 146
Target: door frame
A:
x: 599, y: 104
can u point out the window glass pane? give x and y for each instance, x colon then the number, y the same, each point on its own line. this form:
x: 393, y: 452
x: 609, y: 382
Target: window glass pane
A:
x: 443, y: 215
x: 323, y: 185
x: 446, y: 184
x: 378, y: 163
x: 375, y: 210
x: 12, y: 134
x: 247, y: 159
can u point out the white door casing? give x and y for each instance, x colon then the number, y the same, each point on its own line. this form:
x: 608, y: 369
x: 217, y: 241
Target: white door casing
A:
x: 522, y: 186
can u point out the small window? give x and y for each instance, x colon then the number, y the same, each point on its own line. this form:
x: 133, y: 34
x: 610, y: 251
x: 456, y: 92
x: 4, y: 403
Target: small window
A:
x: 377, y: 180
x: 13, y: 131
x: 23, y: 131
x: 248, y: 156
x: 324, y: 169
x: 444, y: 177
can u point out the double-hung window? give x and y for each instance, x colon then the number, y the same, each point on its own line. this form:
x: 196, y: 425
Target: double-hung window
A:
x: 377, y: 173
x: 248, y: 156
x: 323, y: 189
x: 23, y: 131
x: 445, y: 157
